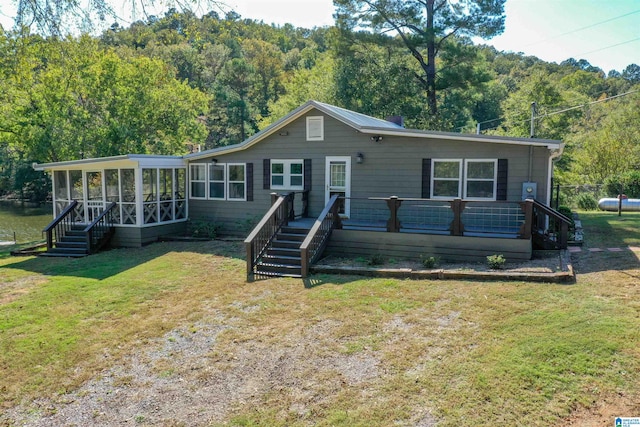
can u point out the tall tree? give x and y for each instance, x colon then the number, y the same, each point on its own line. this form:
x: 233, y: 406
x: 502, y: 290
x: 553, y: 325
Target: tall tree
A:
x: 424, y: 26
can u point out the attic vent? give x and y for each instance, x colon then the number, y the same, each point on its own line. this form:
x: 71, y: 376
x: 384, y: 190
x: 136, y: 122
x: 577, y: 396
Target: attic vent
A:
x: 315, y: 128
x: 399, y: 120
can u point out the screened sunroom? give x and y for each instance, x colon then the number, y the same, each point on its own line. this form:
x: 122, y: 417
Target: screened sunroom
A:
x: 150, y: 193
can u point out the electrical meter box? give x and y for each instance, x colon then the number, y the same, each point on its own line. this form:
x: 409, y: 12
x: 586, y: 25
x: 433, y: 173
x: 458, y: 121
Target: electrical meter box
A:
x: 529, y: 190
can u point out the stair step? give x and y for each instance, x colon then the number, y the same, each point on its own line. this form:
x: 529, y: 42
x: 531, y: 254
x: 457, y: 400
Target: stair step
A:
x: 295, y: 230
x: 73, y: 238
x: 292, y: 252
x: 71, y: 249
x: 75, y: 232
x: 292, y: 237
x: 71, y: 244
x: 285, y: 244
x: 278, y: 268
x: 55, y: 252
x: 282, y: 259
x: 272, y: 274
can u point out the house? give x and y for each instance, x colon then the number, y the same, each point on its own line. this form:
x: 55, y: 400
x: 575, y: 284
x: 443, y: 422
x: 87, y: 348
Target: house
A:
x: 453, y: 194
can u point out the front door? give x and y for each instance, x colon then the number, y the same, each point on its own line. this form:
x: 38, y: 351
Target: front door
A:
x: 338, y: 181
x: 95, y: 195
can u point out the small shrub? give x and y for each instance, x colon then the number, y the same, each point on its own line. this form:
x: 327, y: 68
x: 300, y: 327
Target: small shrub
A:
x: 496, y: 262
x: 566, y: 211
x: 375, y: 259
x: 587, y: 202
x: 204, y: 229
x: 430, y: 262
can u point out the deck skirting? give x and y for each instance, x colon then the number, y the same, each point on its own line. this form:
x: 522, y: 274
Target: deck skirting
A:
x: 354, y: 243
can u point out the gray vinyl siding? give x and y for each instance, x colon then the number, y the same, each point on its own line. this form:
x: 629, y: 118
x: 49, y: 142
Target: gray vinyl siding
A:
x: 392, y: 166
x: 358, y: 243
x: 134, y: 237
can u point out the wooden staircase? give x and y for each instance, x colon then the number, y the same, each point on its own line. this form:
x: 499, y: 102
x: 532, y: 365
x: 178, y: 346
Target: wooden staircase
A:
x: 282, y: 256
x: 68, y: 238
x: 72, y: 244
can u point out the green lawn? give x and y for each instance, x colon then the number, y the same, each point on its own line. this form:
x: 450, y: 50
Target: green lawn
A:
x: 351, y: 351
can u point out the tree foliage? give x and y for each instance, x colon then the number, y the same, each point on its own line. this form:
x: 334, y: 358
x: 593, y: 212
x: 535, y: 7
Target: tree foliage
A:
x: 424, y: 27
x: 170, y: 83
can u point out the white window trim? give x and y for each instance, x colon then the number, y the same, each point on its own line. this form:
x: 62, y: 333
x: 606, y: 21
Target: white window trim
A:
x: 224, y: 181
x: 495, y: 178
x: 319, y: 119
x: 286, y: 175
x: 433, y: 178
x: 205, y: 181
x: 229, y: 182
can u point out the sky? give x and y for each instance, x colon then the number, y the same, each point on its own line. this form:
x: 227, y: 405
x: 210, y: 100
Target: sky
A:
x: 604, y: 32
x: 552, y: 30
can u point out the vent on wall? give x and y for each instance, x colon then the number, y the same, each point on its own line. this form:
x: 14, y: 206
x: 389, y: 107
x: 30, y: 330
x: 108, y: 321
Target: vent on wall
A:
x: 315, y: 128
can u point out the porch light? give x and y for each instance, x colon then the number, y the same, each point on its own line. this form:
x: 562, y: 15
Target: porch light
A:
x: 376, y: 138
x: 360, y: 158
x: 214, y: 161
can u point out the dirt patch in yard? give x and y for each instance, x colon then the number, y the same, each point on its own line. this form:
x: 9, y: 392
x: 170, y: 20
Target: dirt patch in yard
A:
x: 189, y: 378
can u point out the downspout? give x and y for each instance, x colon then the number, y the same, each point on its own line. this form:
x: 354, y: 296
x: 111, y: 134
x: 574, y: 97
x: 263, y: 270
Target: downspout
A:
x: 555, y: 154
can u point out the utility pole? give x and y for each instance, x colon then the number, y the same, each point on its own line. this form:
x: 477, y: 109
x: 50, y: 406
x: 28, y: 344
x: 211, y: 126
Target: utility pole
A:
x: 533, y: 119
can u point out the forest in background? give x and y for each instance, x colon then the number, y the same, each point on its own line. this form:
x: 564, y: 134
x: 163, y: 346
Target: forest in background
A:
x: 174, y: 83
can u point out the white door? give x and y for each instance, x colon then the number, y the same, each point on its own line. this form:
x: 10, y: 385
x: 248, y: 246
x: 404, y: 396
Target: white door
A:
x: 338, y: 181
x: 94, y: 188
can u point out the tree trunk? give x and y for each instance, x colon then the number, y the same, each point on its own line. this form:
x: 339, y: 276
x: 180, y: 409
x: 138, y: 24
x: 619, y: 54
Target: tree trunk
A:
x: 431, y: 60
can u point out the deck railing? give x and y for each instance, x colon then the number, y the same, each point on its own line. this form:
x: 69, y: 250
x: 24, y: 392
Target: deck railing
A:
x: 460, y: 217
x: 298, y: 206
x: 259, y: 239
x: 318, y: 236
x: 543, y: 221
x: 61, y: 224
x: 100, y: 228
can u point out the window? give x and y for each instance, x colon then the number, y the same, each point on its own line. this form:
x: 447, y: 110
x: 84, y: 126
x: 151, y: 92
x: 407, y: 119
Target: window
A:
x: 315, y: 128
x: 236, y: 188
x: 287, y: 174
x: 446, y: 179
x: 480, y: 179
x: 198, y: 180
x: 220, y: 181
x: 216, y: 181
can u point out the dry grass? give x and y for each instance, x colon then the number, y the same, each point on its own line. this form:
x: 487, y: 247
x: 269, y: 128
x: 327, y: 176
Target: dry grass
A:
x: 172, y: 335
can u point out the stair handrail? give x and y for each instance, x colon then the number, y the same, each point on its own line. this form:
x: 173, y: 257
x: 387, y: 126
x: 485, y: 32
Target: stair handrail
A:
x: 263, y: 234
x: 102, y: 225
x: 61, y: 224
x: 318, y: 237
x: 564, y: 220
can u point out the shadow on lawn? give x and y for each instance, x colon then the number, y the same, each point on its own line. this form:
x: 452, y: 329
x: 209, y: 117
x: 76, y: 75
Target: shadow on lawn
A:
x: 332, y: 279
x: 112, y: 262
x: 604, y: 231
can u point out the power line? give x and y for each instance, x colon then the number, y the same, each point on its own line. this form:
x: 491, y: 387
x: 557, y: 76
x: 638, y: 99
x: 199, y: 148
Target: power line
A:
x: 575, y: 107
x: 582, y: 28
x: 588, y: 103
x: 609, y: 47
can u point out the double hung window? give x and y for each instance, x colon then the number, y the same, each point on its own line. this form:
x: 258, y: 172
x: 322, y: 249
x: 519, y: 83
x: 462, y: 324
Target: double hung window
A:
x: 472, y: 179
x: 480, y: 179
x: 446, y: 179
x: 287, y: 174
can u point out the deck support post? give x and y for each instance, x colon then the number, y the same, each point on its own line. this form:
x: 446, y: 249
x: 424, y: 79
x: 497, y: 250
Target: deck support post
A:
x: 527, y: 227
x: 457, y: 206
x: 335, y: 213
x: 393, y: 224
